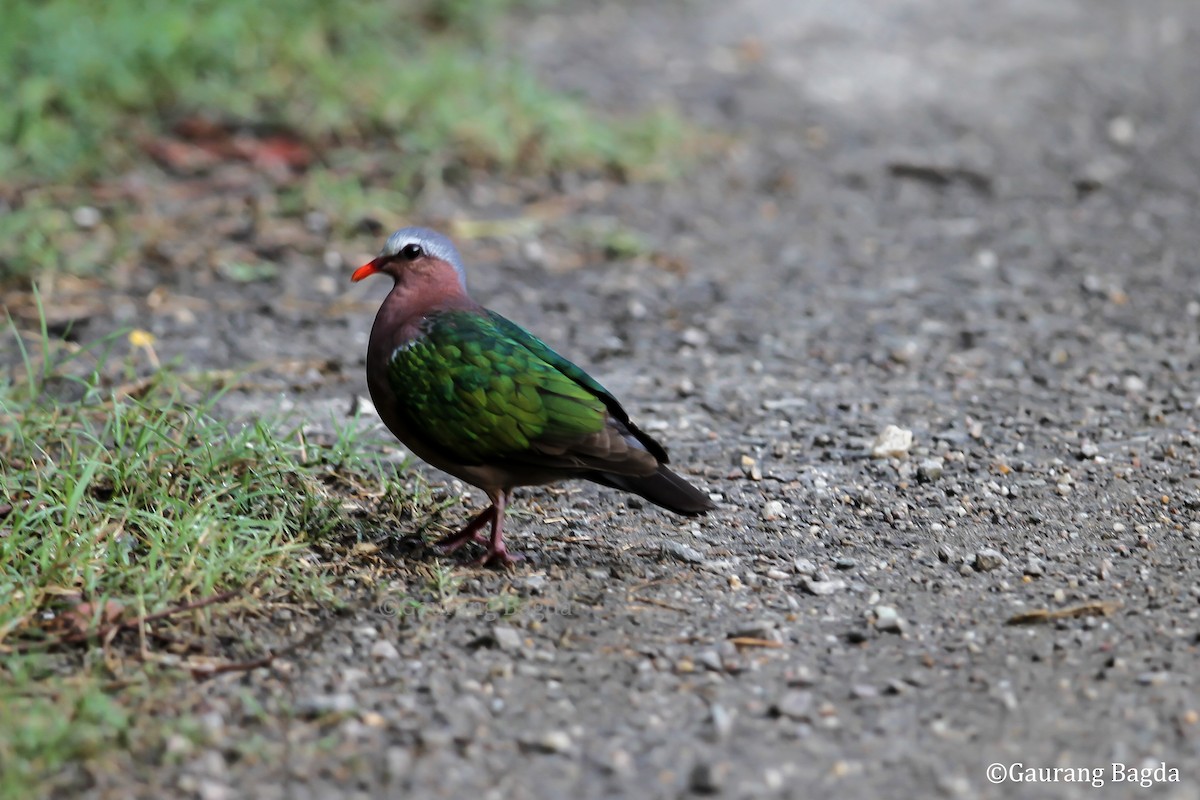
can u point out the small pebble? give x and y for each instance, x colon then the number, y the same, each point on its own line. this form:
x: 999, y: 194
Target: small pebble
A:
x: 904, y: 352
x: 730, y: 661
x: 553, y: 742
x: 317, y: 705
x: 886, y: 619
x: 795, y: 704
x: 316, y: 221
x: 800, y: 675
x: 384, y: 650
x: 86, y: 217
x: 930, y: 469
x: 822, y: 588
x: 892, y: 442
x: 351, y: 677
x: 507, y: 639
x: 707, y: 778
x: 751, y: 469
x: 803, y: 566
x: 533, y: 584
x: 213, y: 790
x: 722, y: 721
x: 397, y: 762
x: 682, y: 552
x: 178, y: 745
x: 988, y: 560
x: 534, y: 252
x: 757, y: 629
x: 772, y: 510
x: 1122, y: 130
x: 365, y: 632
x: 620, y: 762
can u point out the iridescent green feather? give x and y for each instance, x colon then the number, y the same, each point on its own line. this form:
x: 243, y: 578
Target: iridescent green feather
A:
x: 482, y: 389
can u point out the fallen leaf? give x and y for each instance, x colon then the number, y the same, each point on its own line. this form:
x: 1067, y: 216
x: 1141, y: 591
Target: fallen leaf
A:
x: 753, y: 641
x: 82, y: 619
x: 1098, y: 608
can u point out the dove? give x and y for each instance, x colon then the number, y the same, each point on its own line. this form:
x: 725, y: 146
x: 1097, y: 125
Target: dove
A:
x: 479, y: 397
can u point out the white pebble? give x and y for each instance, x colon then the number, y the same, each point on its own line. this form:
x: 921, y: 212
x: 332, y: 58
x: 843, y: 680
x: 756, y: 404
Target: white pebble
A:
x: 383, y: 650
x: 892, y: 442
x: 1121, y: 130
x: 772, y: 509
x: 554, y: 742
x: 86, y: 217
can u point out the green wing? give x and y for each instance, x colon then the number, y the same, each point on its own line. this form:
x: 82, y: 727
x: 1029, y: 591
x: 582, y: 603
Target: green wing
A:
x: 539, y: 349
x: 481, y: 389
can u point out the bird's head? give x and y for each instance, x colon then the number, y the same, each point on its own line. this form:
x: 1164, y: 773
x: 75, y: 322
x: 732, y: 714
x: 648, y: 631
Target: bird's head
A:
x: 411, y: 251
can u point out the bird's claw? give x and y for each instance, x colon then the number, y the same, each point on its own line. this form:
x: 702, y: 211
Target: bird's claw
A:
x: 469, y: 533
x: 455, y: 541
x: 500, y: 558
x: 496, y: 553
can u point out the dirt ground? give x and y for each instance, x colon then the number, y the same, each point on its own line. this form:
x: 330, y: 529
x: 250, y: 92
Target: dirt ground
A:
x: 973, y: 221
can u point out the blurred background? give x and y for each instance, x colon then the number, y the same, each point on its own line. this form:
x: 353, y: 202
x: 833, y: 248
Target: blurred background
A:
x: 157, y: 158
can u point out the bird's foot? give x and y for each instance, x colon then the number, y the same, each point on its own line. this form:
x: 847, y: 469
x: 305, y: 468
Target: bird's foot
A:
x: 468, y: 534
x: 499, y: 557
x: 496, y: 553
x: 456, y: 540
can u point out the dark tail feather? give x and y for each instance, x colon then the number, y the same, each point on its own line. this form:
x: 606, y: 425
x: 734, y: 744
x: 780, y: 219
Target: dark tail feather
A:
x: 663, y: 488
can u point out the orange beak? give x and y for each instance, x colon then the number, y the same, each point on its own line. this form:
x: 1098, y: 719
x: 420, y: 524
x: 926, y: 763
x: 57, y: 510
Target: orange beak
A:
x: 365, y: 271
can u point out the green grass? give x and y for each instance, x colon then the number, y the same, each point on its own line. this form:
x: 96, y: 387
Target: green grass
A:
x: 150, y: 501
x: 40, y: 236
x: 392, y: 97
x: 47, y: 729
x: 88, y: 81
x: 138, y: 501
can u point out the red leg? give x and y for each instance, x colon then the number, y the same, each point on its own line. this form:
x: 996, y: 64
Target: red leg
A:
x: 497, y: 553
x: 470, y: 532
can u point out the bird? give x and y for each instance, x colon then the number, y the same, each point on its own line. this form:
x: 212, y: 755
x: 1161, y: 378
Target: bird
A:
x: 479, y: 397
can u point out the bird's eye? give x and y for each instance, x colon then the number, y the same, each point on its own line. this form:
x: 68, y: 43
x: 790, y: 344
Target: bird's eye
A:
x: 411, y: 252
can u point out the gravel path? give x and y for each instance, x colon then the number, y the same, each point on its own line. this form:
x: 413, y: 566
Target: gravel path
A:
x: 974, y: 222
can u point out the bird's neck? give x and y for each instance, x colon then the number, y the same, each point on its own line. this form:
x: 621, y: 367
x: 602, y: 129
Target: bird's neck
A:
x: 415, y: 297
